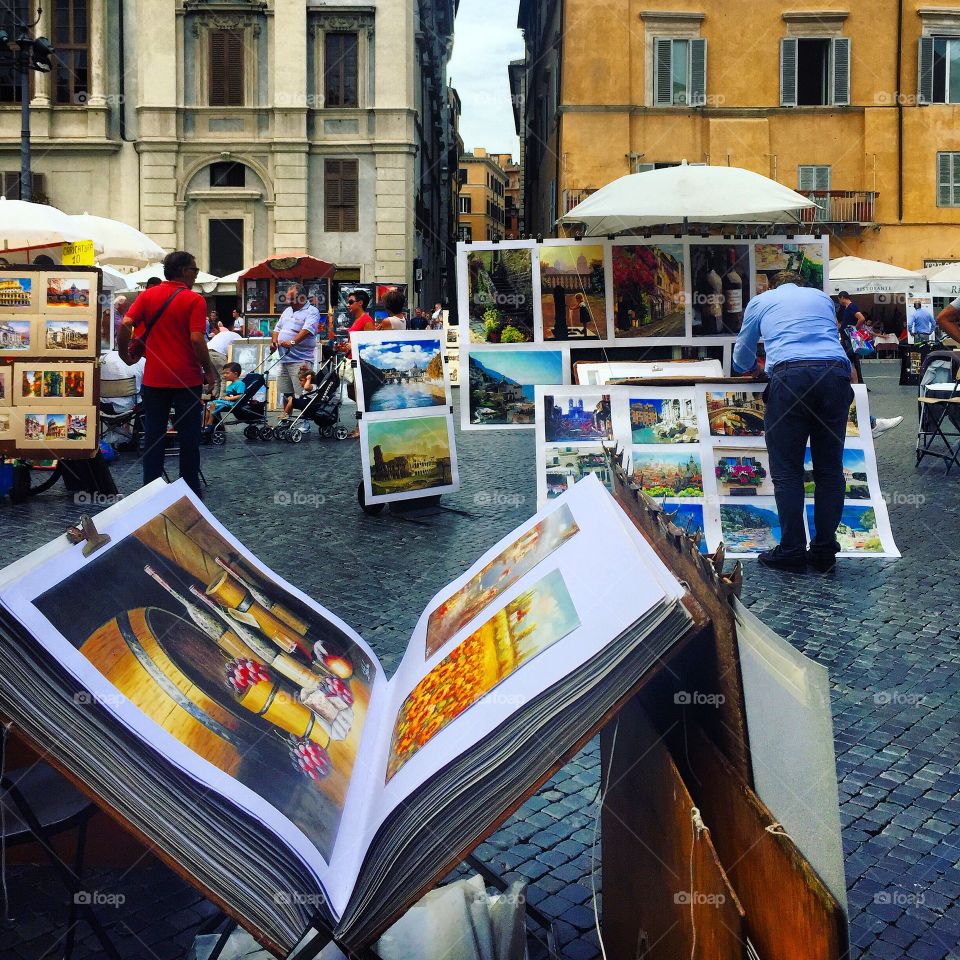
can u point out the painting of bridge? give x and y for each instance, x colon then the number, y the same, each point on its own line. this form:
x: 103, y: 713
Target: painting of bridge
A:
x: 401, y: 374
x: 735, y: 413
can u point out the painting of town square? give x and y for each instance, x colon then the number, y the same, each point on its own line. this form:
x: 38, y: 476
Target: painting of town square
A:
x: 71, y: 294
x: 575, y: 419
x: 502, y: 384
x: 743, y: 473
x: 659, y: 474
x: 688, y: 517
x: 735, y: 413
x: 66, y: 337
x: 664, y: 420
x: 648, y: 290
x: 500, y: 294
x: 54, y: 383
x: 721, y: 287
x: 854, y: 475
x: 807, y: 259
x: 16, y: 337
x: 400, y: 373
x: 573, y: 301
x: 566, y: 465
x: 750, y: 527
x: 512, y: 563
x: 857, y: 533
x: 507, y: 642
x: 407, y: 456
x: 16, y: 293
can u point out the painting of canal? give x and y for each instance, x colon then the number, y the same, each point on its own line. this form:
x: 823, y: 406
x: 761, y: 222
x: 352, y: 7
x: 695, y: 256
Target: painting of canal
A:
x: 401, y: 374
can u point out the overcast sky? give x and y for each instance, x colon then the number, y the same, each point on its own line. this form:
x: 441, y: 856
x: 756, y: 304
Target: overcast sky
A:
x: 486, y: 39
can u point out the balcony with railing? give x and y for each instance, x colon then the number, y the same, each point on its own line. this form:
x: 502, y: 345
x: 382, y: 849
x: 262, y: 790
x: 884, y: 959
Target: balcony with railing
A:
x: 853, y: 208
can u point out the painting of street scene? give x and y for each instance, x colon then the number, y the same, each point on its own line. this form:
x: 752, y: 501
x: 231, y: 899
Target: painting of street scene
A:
x: 510, y: 639
x: 16, y: 293
x: 664, y: 420
x: 648, y: 290
x: 513, y: 562
x: 854, y: 475
x: 749, y: 527
x: 502, y: 384
x: 857, y: 532
x: 743, y: 473
x: 571, y: 419
x: 565, y: 466
x: 401, y: 374
x: 500, y: 293
x: 408, y: 455
x: 689, y: 519
x: 573, y: 301
x: 677, y: 475
x: 71, y: 293
x: 15, y: 336
x: 66, y: 335
x: 218, y: 653
x: 735, y: 413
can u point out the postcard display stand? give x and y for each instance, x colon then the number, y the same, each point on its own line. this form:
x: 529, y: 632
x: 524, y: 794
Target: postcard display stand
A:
x: 679, y: 292
x: 49, y: 378
x: 404, y: 405
x: 699, y: 449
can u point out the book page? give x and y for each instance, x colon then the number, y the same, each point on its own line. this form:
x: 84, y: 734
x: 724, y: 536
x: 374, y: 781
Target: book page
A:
x: 215, y: 662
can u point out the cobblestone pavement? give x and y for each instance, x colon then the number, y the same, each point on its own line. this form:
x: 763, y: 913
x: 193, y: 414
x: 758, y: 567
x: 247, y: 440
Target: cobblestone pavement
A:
x: 887, y: 630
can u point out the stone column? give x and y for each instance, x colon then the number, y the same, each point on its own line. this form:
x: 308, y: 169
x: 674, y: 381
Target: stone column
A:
x: 97, y: 71
x: 42, y: 82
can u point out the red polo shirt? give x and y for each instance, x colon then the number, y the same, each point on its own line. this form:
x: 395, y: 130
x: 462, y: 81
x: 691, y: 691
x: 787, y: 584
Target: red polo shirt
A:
x: 171, y: 361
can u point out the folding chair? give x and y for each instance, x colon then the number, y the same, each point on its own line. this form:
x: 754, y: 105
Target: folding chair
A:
x: 118, y: 420
x: 938, y: 409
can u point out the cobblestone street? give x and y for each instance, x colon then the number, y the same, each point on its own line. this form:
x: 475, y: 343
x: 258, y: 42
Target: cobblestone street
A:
x: 887, y: 630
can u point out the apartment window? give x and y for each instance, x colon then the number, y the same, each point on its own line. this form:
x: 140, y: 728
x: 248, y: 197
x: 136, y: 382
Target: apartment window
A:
x: 341, y: 191
x: 228, y: 174
x: 10, y: 185
x: 466, y: 204
x: 225, y: 254
x: 341, y: 70
x: 815, y: 178
x: 71, y: 37
x: 465, y: 234
x: 226, y: 68
x: 461, y: 175
x: 948, y: 179
x: 679, y: 72
x: 814, y: 71
x: 939, y: 70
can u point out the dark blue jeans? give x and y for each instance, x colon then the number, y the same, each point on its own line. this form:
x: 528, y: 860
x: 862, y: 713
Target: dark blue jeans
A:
x: 808, y: 400
x: 187, y: 421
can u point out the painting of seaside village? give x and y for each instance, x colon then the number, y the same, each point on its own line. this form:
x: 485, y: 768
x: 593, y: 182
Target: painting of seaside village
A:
x: 572, y: 419
x: 502, y: 384
x: 402, y: 374
x: 749, y: 527
x: 408, y: 455
x: 664, y: 420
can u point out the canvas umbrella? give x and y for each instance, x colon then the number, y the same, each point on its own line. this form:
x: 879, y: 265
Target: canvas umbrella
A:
x: 122, y: 245
x: 856, y: 275
x: 944, y: 281
x: 24, y: 224
x: 687, y: 194
x: 207, y: 282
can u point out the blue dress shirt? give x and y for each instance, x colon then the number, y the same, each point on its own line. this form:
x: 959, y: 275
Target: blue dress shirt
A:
x: 796, y: 323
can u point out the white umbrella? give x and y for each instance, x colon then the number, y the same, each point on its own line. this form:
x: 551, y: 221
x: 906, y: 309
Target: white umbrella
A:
x: 856, y: 275
x: 121, y: 244
x: 113, y: 280
x: 228, y: 284
x: 207, y: 282
x: 24, y: 224
x: 694, y: 194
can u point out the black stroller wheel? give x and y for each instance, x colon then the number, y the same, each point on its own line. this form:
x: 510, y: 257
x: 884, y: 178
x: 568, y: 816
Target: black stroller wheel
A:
x: 341, y: 432
x: 250, y: 432
x: 280, y: 433
x: 371, y: 509
x: 265, y: 433
x: 218, y: 436
x: 296, y: 436
x: 326, y: 432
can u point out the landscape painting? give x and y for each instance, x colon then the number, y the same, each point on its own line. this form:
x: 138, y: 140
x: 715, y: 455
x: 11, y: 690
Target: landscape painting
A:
x: 500, y: 294
x: 399, y: 373
x: 573, y: 303
x: 569, y: 419
x: 750, y: 528
x: 853, y: 429
x: 854, y: 475
x: 677, y: 475
x: 664, y: 420
x: 736, y: 413
x: 502, y: 385
x: 648, y: 290
x: 72, y: 295
x: 743, y: 473
x: 567, y: 465
x: 857, y: 533
x: 408, y: 457
x: 807, y: 259
x: 54, y: 384
x: 66, y: 337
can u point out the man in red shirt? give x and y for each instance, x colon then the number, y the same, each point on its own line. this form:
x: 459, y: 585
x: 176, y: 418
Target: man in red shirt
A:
x: 171, y: 319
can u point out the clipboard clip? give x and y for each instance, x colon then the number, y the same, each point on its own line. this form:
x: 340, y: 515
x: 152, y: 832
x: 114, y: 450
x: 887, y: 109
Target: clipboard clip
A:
x: 87, y: 531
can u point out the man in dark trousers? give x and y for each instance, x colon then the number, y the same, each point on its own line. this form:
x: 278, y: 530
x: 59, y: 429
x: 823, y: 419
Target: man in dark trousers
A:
x: 807, y: 400
x: 171, y: 321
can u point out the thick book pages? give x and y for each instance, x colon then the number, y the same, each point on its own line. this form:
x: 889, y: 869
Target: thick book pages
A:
x: 252, y: 735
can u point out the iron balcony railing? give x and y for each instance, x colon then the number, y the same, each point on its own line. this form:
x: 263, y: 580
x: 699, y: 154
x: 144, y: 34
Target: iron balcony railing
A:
x: 840, y: 206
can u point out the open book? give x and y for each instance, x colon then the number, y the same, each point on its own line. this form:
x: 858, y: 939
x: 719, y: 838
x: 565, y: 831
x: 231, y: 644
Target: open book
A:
x: 252, y: 735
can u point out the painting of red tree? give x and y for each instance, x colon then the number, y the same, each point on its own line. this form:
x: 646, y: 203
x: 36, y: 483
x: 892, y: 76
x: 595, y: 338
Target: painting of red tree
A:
x: 648, y: 288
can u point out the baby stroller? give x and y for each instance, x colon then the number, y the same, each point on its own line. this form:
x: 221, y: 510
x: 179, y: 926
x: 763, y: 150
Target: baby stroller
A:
x: 320, y: 406
x: 247, y: 410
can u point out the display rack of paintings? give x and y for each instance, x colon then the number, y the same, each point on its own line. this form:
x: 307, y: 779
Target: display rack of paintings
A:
x: 700, y: 450
x: 49, y: 342
x: 405, y: 407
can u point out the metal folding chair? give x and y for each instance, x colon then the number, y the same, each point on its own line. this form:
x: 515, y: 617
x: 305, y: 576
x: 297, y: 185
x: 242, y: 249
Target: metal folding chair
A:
x: 112, y: 420
x: 938, y: 412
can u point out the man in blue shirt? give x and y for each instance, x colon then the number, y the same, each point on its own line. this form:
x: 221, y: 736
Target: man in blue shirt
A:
x: 921, y: 324
x: 807, y: 400
x: 296, y: 336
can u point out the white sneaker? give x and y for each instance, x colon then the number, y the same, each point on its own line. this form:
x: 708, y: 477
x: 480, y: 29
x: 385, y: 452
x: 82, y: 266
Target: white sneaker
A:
x: 882, y: 426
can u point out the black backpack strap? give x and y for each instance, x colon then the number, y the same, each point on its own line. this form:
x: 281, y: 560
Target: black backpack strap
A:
x: 153, y: 320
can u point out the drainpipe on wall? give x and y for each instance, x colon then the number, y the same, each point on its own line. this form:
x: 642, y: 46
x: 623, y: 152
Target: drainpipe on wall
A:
x: 558, y: 197
x: 899, y: 112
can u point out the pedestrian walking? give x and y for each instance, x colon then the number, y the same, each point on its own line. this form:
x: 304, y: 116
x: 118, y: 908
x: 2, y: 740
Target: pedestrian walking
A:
x: 296, y: 335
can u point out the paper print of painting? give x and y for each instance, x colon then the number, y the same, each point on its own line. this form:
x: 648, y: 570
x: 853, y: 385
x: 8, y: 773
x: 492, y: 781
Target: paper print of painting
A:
x: 853, y: 429
x: 65, y: 337
x: 668, y: 474
x: 856, y: 482
x: 500, y: 293
x: 513, y: 562
x: 858, y: 531
x: 401, y: 374
x: 16, y: 293
x: 689, y: 519
x: 749, y: 527
x: 502, y: 384
x: 528, y: 625
x: 218, y: 654
x: 71, y: 294
x: 721, y: 287
x: 664, y: 420
x: 573, y: 301
x: 803, y: 258
x: 648, y: 291
x: 743, y: 473
x: 565, y: 466
x: 736, y: 413
x: 574, y: 419
x: 16, y: 336
x: 406, y: 456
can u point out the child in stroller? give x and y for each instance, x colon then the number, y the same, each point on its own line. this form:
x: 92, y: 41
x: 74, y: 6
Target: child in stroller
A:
x: 240, y: 405
x: 320, y: 403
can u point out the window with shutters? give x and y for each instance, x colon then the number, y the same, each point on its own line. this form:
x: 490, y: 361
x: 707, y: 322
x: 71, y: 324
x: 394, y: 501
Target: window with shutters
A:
x: 680, y: 72
x: 814, y: 179
x: 948, y: 179
x: 815, y: 71
x: 71, y: 38
x: 341, y: 70
x: 10, y: 186
x: 226, y: 68
x: 939, y: 69
x: 341, y: 195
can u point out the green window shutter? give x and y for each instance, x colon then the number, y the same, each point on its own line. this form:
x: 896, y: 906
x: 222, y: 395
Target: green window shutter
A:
x: 698, y: 73
x: 788, y: 72
x: 925, y: 71
x: 841, y: 71
x: 662, y: 72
